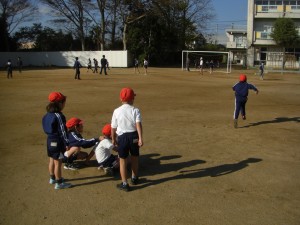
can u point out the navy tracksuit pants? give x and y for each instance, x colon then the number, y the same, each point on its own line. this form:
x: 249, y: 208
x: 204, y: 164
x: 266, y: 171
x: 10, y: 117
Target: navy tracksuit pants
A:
x: 240, y: 106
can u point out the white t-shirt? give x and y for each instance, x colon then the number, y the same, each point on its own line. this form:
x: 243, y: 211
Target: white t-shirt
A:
x: 125, y: 118
x: 103, y: 150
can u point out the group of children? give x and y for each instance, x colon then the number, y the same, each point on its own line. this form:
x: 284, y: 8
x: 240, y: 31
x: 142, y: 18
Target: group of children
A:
x: 64, y: 140
x: 136, y: 65
x: 104, y: 66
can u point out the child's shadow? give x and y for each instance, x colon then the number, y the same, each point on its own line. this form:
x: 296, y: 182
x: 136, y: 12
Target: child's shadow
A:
x: 151, y: 164
x: 211, y: 171
x: 276, y: 120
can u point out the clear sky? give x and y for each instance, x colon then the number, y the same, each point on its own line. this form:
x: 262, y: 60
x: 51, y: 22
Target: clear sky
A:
x: 228, y: 13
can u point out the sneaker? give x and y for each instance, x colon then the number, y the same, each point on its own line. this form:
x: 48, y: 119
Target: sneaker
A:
x: 235, y: 123
x: 53, y: 181
x: 62, y: 185
x: 108, y: 171
x: 123, y: 187
x: 244, y: 117
x: 135, y: 180
x: 69, y: 166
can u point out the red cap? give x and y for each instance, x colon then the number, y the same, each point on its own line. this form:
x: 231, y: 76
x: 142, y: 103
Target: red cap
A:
x: 243, y: 78
x: 56, y: 97
x: 73, y: 122
x: 127, y: 94
x: 106, y: 130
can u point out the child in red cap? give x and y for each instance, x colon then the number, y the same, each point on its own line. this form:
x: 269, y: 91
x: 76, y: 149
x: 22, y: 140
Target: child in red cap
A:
x: 127, y: 124
x: 106, y: 160
x: 76, y: 142
x: 54, y: 125
x: 241, y: 96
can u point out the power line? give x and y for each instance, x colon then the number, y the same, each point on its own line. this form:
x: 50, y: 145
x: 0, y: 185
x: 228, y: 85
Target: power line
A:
x: 228, y: 21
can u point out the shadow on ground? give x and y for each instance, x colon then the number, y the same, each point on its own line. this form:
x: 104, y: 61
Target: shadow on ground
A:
x: 152, y: 166
x: 276, y: 120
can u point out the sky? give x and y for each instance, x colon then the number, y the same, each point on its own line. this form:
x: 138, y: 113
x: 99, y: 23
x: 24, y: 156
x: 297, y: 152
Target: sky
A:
x: 228, y: 13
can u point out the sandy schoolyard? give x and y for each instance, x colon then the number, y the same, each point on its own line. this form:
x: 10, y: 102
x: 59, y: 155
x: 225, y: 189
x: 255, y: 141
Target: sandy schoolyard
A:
x: 195, y: 168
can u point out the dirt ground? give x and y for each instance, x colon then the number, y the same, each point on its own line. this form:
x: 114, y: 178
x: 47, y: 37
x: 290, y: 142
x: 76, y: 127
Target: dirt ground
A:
x: 195, y: 168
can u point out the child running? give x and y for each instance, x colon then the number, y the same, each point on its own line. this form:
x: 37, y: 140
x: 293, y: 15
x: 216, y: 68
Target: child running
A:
x: 54, y: 126
x: 106, y: 160
x: 127, y: 124
x: 241, y: 96
x: 76, y: 142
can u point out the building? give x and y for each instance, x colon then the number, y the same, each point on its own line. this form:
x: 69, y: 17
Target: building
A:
x: 237, y: 44
x: 261, y: 48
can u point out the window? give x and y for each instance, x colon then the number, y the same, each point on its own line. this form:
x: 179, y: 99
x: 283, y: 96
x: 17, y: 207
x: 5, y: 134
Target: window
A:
x: 264, y: 35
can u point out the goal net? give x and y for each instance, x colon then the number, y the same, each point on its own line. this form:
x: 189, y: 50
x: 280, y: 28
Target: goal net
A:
x: 221, y: 60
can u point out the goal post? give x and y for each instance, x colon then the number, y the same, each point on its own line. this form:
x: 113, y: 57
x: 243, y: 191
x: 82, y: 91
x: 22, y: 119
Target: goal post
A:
x: 221, y: 60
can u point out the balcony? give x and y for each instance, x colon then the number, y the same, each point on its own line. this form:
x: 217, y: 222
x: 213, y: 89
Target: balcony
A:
x: 263, y: 35
x: 263, y: 38
x: 275, y: 11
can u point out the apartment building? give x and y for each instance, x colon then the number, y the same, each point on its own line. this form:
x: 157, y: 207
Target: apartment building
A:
x: 260, y: 46
x: 237, y: 44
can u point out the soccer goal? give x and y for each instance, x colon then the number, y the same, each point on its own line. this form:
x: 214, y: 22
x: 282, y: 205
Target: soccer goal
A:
x: 221, y: 60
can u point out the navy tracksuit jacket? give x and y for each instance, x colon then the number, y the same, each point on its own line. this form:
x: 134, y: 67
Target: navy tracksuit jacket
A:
x: 54, y: 125
x: 241, y: 97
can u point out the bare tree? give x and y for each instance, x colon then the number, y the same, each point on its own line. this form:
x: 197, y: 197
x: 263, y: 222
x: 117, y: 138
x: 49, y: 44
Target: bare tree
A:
x: 12, y: 14
x: 113, y: 19
x: 74, y: 11
x: 102, y: 7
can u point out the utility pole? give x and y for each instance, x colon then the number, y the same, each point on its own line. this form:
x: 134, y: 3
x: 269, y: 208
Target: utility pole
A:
x: 217, y: 30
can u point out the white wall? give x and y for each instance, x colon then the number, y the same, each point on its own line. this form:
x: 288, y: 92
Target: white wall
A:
x: 115, y: 58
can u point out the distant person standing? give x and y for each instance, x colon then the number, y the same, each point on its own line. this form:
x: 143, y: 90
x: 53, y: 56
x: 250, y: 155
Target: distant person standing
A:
x: 103, y: 65
x: 201, y: 65
x: 89, y: 65
x: 20, y: 64
x: 136, y: 65
x: 9, y: 69
x: 77, y: 67
x: 261, y: 69
x: 96, y: 65
x: 146, y: 63
x: 211, y: 66
x: 188, y: 64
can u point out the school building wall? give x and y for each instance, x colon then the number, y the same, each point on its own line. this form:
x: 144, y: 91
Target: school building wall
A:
x: 65, y: 59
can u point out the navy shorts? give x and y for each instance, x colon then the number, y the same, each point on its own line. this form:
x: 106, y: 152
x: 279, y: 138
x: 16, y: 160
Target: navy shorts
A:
x: 128, y: 143
x: 55, y: 148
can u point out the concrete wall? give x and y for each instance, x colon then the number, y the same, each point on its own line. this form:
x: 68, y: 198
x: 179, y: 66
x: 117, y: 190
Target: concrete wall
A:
x: 65, y: 59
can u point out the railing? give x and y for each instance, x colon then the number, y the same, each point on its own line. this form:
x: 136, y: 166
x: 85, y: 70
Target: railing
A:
x: 292, y: 8
x: 263, y: 35
x: 277, y: 8
x: 269, y: 8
